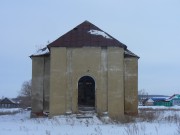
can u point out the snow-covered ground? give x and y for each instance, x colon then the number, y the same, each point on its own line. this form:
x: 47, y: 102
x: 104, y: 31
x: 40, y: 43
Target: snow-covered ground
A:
x: 164, y: 121
x: 10, y: 110
x: 160, y: 107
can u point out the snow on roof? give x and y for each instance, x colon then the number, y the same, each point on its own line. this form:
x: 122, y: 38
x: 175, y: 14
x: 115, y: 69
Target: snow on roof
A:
x: 42, y: 51
x: 101, y: 33
x: 158, y: 98
x: 12, y: 101
x: 175, y: 96
x: 150, y: 100
x: 5, y: 100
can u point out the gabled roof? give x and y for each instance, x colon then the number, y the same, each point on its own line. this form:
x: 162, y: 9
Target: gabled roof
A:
x: 150, y: 100
x: 175, y: 96
x: 7, y: 101
x: 86, y: 34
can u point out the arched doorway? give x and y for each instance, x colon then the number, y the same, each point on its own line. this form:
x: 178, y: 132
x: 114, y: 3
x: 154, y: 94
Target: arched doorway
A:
x: 86, y: 92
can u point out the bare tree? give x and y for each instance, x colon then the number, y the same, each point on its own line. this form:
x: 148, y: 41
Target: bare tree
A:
x: 25, y: 94
x: 26, y: 89
x: 142, y: 95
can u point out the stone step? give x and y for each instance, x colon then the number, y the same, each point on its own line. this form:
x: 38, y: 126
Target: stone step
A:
x: 83, y: 108
x: 87, y: 112
x: 84, y: 117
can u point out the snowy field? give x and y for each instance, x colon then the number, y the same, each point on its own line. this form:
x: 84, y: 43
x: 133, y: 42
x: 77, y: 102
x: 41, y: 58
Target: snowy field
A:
x: 151, y: 121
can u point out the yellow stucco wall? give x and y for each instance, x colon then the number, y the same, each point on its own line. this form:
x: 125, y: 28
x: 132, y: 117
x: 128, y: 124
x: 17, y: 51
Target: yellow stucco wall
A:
x: 104, y: 65
x: 85, y: 62
x: 46, y: 83
x: 37, y: 84
x: 55, y: 80
x: 40, y: 84
x: 58, y: 80
x: 131, y: 85
x: 116, y: 82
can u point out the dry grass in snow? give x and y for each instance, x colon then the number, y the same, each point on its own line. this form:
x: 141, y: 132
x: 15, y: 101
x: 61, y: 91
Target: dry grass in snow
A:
x: 150, y: 121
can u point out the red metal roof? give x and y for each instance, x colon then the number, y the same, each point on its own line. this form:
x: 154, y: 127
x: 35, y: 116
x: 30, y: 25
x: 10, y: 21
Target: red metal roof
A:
x: 86, y: 34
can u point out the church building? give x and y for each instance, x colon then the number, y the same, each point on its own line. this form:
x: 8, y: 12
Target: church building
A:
x: 85, y: 68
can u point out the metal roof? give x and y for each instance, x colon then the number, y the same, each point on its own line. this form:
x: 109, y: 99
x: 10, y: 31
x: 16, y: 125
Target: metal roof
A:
x: 41, y: 52
x: 86, y: 34
x: 7, y: 101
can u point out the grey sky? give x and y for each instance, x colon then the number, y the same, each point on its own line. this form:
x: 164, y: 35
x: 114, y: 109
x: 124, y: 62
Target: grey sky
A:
x: 150, y: 28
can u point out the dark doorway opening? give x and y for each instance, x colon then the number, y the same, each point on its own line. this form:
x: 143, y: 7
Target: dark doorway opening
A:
x: 86, y: 92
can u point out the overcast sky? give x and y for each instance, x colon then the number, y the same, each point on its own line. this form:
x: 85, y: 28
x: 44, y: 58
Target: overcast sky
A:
x: 150, y: 29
